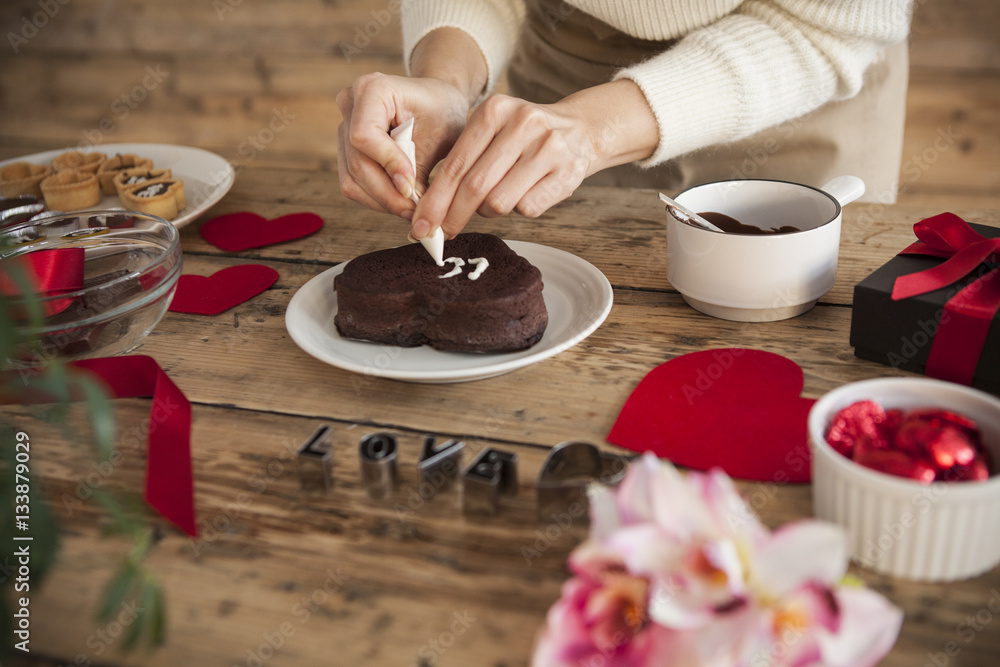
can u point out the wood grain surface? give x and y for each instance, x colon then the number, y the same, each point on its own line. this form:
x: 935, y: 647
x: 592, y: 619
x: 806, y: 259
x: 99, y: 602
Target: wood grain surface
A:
x: 283, y: 577
x: 288, y: 578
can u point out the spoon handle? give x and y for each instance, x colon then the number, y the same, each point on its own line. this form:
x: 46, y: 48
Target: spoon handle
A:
x: 687, y: 216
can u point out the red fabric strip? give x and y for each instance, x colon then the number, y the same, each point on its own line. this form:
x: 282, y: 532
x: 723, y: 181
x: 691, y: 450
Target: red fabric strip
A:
x: 52, y: 272
x: 962, y: 333
x: 169, y: 475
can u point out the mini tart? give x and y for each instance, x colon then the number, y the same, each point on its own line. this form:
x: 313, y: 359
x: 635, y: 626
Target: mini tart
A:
x: 114, y: 165
x: 129, y: 179
x: 23, y: 178
x: 163, y: 197
x: 71, y: 190
x: 70, y: 160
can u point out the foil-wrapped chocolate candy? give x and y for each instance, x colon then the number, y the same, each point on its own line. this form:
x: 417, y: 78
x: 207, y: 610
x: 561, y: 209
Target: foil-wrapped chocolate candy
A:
x: 926, y: 444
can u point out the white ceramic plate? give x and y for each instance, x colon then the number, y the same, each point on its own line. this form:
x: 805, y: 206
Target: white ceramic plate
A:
x: 207, y: 176
x: 577, y: 296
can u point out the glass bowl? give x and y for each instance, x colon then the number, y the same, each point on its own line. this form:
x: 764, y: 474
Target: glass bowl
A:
x: 110, y: 295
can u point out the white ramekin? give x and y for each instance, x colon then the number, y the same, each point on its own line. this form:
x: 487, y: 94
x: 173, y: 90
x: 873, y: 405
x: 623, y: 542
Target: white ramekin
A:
x: 938, y: 532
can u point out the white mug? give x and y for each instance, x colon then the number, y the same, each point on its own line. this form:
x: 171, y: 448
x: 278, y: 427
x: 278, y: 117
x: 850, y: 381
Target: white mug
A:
x: 759, y: 277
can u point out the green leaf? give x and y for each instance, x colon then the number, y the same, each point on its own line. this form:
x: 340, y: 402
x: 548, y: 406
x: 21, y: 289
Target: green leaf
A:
x: 6, y: 627
x: 122, y: 522
x: 158, y: 619
x: 44, y: 531
x: 116, y: 591
x: 23, y: 284
x: 147, y: 602
x: 9, y: 336
x: 101, y: 414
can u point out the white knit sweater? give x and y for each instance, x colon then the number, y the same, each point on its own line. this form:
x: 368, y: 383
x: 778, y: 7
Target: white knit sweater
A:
x: 739, y: 67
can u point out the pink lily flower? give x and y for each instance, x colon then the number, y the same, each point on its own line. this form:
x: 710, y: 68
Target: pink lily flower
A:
x: 677, y: 570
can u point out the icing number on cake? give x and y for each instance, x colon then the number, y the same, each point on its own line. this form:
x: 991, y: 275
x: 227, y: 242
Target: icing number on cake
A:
x: 481, y: 264
x: 457, y: 269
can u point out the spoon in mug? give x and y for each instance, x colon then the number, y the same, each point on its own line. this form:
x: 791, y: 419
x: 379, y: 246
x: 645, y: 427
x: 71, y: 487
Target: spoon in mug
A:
x: 688, y: 216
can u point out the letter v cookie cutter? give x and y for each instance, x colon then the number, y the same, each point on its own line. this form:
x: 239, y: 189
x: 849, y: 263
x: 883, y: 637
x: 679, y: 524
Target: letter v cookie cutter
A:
x: 569, y: 469
x: 440, y: 464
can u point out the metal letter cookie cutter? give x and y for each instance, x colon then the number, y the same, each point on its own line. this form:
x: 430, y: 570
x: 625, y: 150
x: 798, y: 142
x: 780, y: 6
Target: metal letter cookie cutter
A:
x: 568, y: 470
x: 378, y: 464
x: 440, y: 464
x: 315, y: 461
x: 490, y: 474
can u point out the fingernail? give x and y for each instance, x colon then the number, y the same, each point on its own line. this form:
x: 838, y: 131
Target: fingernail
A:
x: 420, y: 229
x: 403, y: 185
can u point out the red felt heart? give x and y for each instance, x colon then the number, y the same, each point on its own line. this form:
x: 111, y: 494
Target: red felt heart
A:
x: 240, y: 231
x: 210, y: 295
x: 736, y: 409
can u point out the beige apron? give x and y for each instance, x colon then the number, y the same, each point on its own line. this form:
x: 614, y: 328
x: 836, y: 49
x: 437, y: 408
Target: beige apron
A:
x: 562, y: 50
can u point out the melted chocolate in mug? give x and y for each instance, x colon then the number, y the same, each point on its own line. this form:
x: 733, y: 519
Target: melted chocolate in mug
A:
x: 734, y: 226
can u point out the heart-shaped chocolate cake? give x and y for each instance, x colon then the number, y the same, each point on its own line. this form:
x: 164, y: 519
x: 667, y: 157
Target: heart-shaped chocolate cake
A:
x: 400, y: 296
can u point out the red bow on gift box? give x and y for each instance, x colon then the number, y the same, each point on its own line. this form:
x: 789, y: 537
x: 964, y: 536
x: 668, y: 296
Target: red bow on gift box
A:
x: 967, y: 316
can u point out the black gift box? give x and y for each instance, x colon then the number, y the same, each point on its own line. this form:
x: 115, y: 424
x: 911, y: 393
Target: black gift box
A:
x: 900, y: 333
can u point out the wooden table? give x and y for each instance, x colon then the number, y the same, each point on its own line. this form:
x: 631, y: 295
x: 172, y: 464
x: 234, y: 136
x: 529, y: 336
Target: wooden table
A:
x: 280, y: 577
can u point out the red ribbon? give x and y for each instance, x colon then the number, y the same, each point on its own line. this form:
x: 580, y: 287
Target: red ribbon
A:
x: 52, y: 272
x: 967, y: 316
x: 169, y: 478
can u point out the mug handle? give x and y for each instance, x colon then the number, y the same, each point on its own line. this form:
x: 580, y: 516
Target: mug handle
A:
x: 845, y: 189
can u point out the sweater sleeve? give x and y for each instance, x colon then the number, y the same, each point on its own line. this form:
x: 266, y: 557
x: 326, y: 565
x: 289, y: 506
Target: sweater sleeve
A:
x: 765, y: 63
x: 492, y: 24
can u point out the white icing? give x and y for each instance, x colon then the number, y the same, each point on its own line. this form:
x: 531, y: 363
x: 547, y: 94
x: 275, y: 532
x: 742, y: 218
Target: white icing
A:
x: 481, y: 265
x: 153, y: 190
x: 458, y: 262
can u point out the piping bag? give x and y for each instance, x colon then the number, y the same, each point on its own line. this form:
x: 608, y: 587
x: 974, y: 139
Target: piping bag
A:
x: 403, y: 136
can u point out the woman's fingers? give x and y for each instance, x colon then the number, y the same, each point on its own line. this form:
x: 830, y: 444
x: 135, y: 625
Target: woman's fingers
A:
x: 374, y: 170
x: 513, y: 155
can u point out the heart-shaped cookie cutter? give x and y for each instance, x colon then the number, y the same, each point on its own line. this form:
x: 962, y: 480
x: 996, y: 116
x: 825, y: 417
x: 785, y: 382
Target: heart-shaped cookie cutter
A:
x: 569, y: 469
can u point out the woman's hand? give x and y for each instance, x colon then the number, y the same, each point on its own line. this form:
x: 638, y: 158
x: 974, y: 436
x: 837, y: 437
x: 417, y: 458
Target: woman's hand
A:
x: 518, y: 156
x: 373, y: 170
